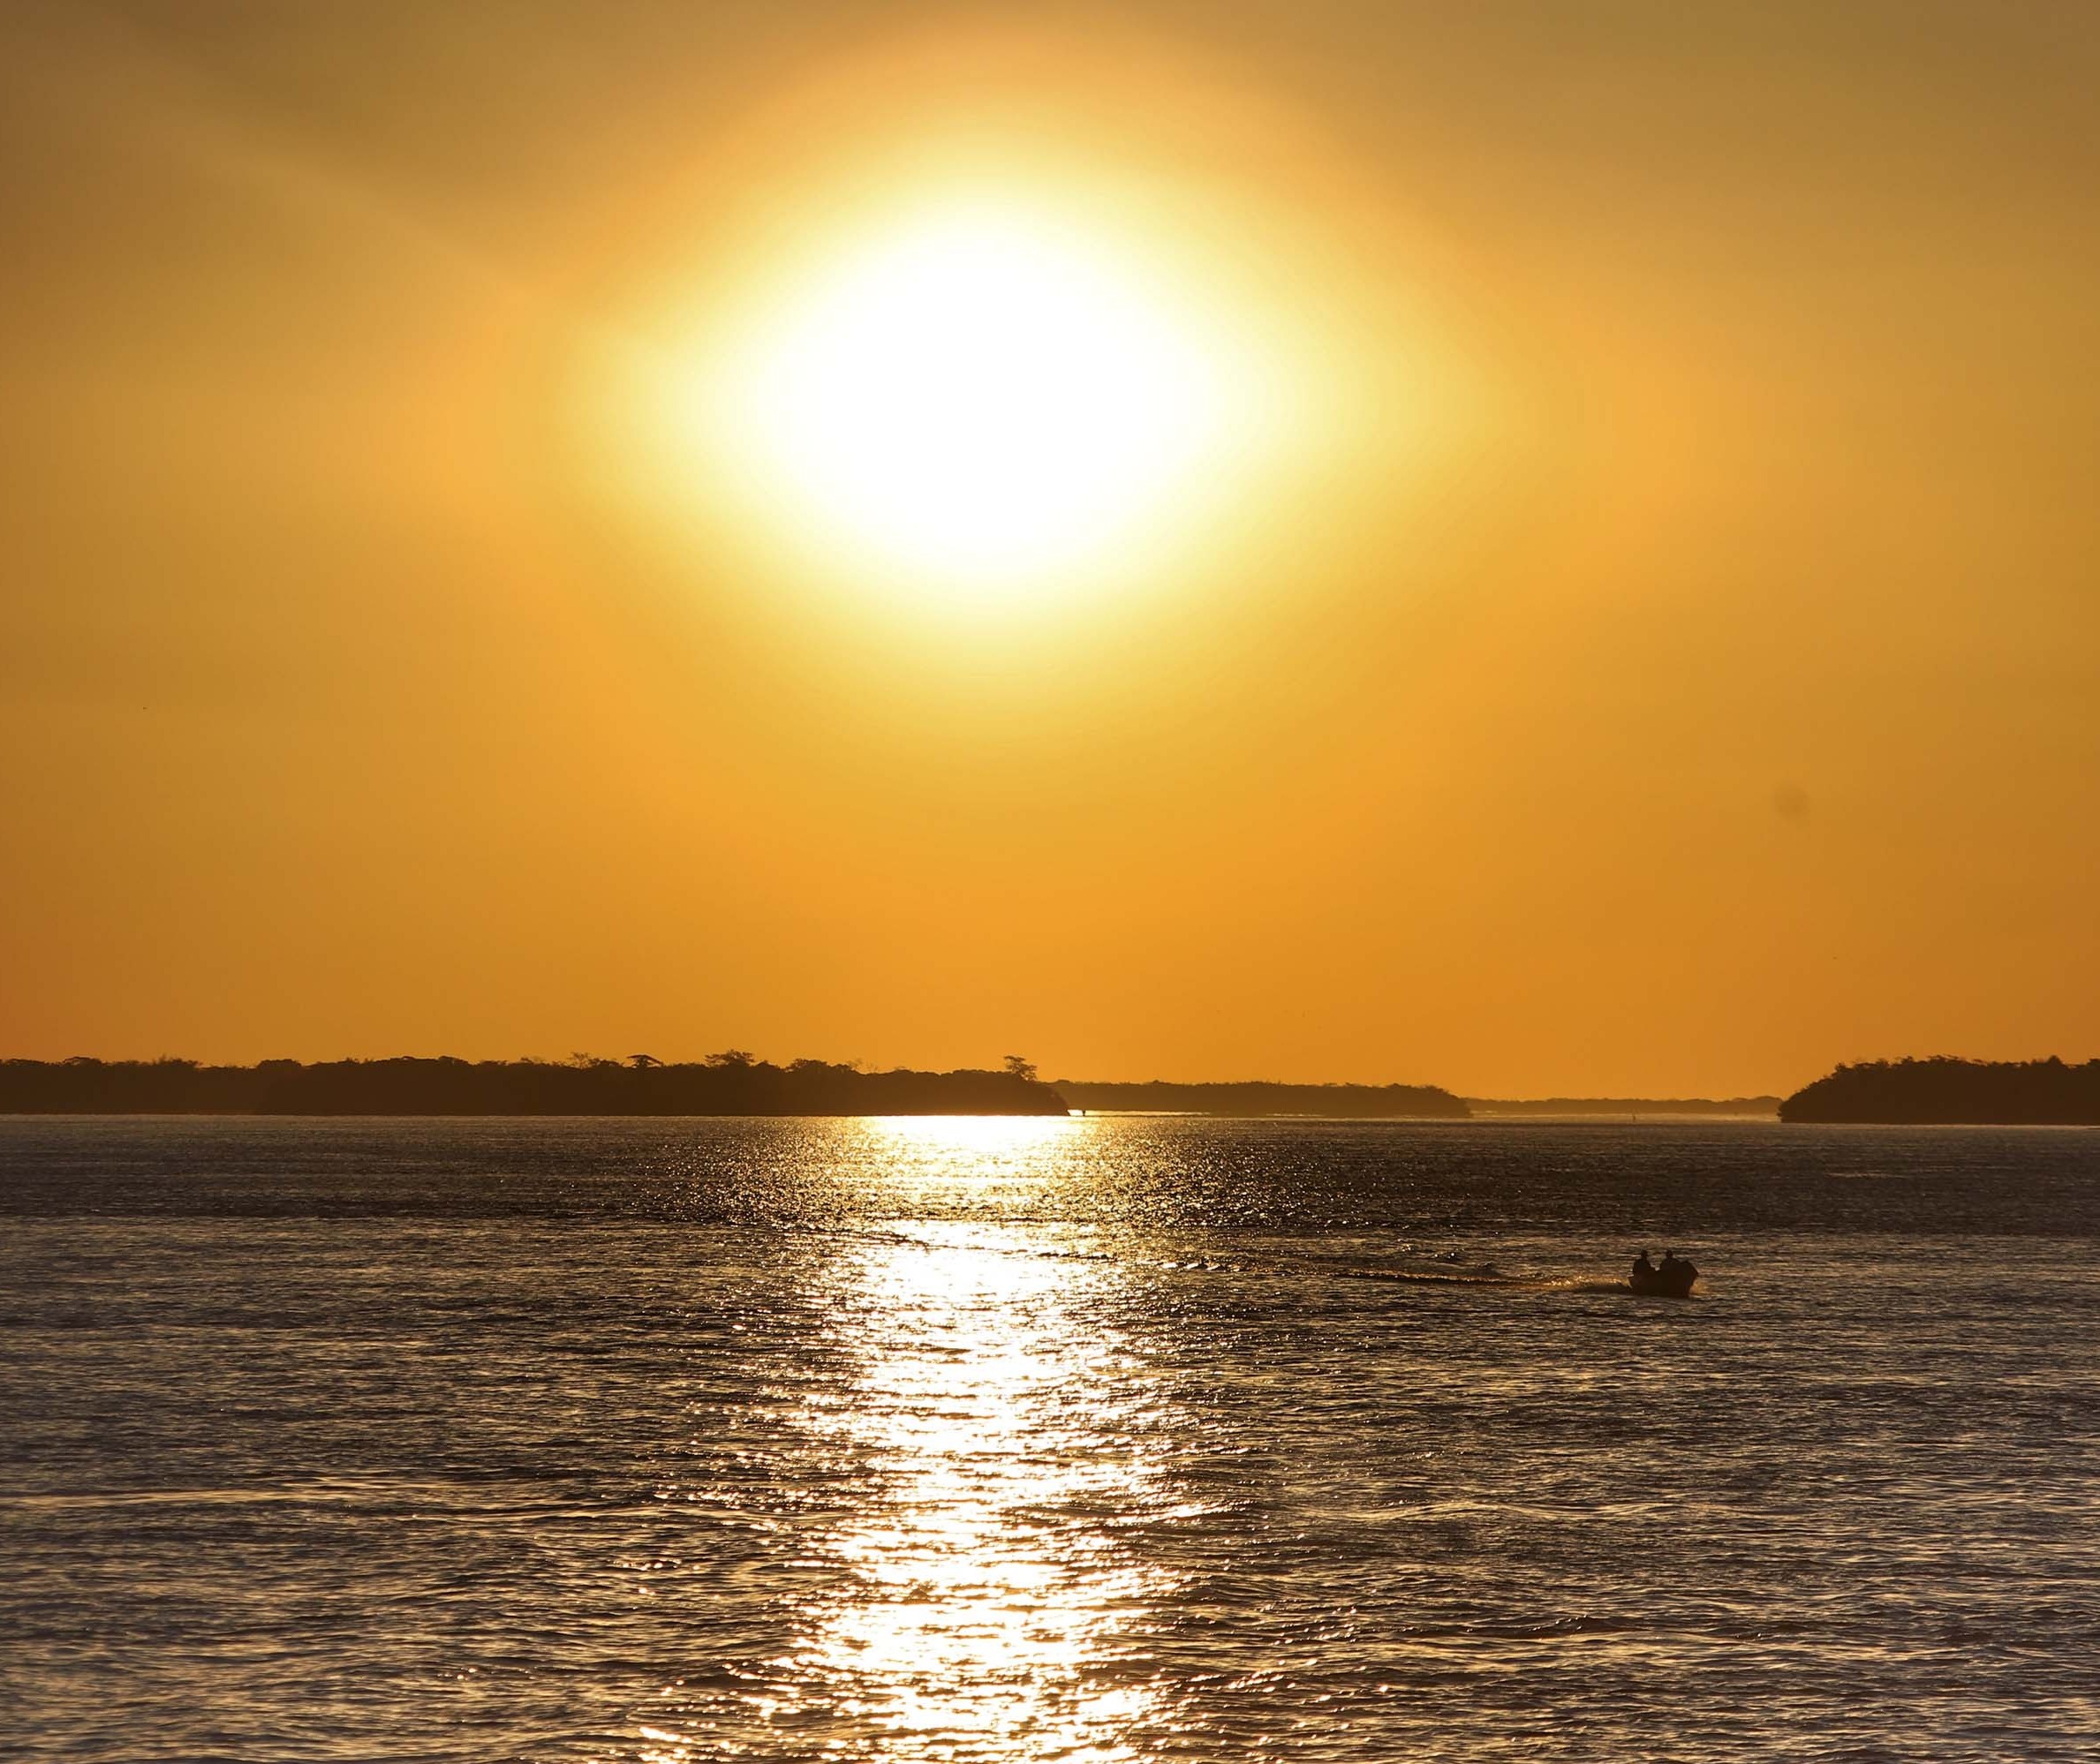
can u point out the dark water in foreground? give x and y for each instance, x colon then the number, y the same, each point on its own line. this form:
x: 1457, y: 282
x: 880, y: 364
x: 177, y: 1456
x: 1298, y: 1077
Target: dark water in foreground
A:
x: 1076, y: 1440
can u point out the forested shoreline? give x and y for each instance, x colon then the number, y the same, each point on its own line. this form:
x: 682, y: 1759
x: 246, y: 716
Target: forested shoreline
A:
x: 1945, y: 1091
x: 728, y: 1084
x: 1929, y: 1092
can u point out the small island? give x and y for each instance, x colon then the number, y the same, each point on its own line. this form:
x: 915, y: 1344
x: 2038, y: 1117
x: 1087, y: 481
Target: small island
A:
x: 730, y: 1083
x: 1947, y: 1091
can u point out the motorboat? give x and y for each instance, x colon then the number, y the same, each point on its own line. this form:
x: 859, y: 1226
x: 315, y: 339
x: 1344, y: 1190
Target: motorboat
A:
x: 1672, y: 1281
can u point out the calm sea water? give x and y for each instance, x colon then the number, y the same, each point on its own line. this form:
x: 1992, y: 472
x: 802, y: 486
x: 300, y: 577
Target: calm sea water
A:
x: 1018, y: 1440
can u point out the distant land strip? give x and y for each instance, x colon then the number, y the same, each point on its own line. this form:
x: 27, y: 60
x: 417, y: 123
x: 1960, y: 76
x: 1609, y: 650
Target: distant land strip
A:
x: 1763, y: 1106
x: 1937, y: 1091
x: 732, y: 1083
x: 1944, y: 1092
x: 728, y: 1084
x: 1255, y: 1098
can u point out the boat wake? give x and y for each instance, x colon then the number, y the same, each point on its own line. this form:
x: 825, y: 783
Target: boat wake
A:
x: 1519, y: 1283
x: 1481, y: 1276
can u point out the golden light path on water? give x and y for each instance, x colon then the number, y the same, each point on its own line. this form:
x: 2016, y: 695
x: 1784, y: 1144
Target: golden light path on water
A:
x: 793, y: 1440
x: 1005, y: 1426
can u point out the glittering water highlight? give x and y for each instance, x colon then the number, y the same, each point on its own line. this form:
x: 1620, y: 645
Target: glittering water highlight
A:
x: 1021, y: 1440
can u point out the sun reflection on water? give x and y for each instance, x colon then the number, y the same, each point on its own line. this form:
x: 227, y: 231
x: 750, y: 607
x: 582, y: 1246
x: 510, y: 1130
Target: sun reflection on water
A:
x: 988, y: 1588
x: 981, y: 1166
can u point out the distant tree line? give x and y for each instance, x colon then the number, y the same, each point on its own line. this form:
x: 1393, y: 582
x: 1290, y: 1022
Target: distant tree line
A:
x: 730, y: 1083
x: 2012, y: 1093
x: 1625, y: 1105
x: 1353, y: 1101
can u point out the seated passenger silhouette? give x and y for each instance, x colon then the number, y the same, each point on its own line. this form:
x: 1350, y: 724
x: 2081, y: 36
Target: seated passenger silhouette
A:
x: 1642, y: 1267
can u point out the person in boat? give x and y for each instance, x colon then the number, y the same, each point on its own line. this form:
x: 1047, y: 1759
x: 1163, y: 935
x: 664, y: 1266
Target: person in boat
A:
x: 1672, y: 1264
x: 1644, y: 1268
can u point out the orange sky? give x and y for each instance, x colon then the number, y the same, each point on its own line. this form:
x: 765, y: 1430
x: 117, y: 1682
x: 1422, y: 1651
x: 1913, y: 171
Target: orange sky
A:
x: 1671, y: 666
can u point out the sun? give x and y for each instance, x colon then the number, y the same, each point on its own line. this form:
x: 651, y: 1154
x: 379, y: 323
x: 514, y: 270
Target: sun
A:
x: 980, y: 397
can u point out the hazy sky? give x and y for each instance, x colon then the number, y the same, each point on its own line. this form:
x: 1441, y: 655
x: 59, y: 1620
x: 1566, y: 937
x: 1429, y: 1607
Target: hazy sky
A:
x: 1671, y: 664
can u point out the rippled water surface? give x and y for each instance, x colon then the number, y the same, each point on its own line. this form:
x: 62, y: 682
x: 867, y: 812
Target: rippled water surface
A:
x: 1077, y: 1440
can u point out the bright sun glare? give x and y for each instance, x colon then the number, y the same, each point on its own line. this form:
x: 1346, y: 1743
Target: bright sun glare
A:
x: 984, y: 399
